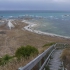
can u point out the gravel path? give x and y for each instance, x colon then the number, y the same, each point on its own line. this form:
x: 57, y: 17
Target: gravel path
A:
x: 55, y: 62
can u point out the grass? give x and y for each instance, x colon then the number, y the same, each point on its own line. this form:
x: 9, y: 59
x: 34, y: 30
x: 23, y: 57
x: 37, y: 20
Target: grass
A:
x: 66, y: 52
x: 65, y: 57
x: 14, y: 64
x: 49, y: 44
x: 5, y: 59
x: 46, y: 46
x: 47, y: 68
x: 26, y: 51
x: 23, y: 55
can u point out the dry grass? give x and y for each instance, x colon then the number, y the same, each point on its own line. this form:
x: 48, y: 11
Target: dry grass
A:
x: 42, y: 49
x: 66, y: 58
x: 17, y: 37
x: 65, y: 53
x: 14, y: 64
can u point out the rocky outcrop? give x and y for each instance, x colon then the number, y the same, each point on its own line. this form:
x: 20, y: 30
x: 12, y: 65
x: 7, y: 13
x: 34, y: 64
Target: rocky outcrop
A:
x: 10, y: 25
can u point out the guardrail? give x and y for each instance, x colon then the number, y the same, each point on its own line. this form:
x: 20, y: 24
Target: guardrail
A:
x: 47, y: 61
x: 62, y: 46
x: 39, y: 62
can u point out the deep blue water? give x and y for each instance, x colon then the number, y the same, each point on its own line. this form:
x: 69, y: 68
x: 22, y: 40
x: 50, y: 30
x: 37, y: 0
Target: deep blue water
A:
x: 34, y: 13
x: 56, y: 22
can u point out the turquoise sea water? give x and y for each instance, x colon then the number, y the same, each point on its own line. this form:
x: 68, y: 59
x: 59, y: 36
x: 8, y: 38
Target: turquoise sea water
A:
x: 49, y: 21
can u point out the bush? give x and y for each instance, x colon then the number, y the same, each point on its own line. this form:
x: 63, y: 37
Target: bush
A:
x: 26, y: 51
x: 5, y: 59
x: 47, y: 68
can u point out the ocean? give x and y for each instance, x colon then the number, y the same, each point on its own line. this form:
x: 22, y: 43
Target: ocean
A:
x: 55, y: 22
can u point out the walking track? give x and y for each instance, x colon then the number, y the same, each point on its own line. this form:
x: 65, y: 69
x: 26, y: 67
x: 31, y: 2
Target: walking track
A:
x: 55, y: 62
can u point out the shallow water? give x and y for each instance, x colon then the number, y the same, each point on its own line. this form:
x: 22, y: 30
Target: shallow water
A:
x: 55, y: 22
x: 52, y: 25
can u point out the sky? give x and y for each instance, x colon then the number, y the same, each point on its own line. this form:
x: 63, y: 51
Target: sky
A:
x: 35, y: 5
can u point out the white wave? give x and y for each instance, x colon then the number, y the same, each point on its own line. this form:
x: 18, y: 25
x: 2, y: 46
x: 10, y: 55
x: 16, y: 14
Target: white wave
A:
x: 2, y: 21
x: 51, y: 16
x: 56, y: 18
x: 63, y: 19
x: 29, y: 28
x: 10, y: 16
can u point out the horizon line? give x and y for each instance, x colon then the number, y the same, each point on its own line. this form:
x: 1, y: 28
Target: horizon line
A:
x: 33, y: 10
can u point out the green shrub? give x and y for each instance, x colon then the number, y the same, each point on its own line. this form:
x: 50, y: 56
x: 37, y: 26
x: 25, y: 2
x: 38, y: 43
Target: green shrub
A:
x: 5, y: 59
x: 47, y: 68
x: 49, y: 44
x: 26, y: 51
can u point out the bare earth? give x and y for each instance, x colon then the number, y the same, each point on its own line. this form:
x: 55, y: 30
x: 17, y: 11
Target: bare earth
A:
x: 10, y: 40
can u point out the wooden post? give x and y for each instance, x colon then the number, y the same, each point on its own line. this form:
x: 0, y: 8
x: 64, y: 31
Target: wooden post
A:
x: 39, y: 64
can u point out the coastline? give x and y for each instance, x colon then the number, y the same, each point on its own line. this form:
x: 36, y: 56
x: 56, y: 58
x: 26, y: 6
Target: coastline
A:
x: 24, y: 34
x: 29, y: 28
x: 16, y: 37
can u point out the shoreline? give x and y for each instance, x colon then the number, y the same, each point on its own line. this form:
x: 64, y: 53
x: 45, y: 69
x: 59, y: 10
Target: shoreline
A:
x: 29, y: 28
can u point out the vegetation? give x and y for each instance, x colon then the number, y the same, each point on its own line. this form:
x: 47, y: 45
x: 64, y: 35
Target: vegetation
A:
x: 65, y: 53
x: 66, y: 58
x: 24, y: 54
x: 26, y: 51
x: 23, y: 51
x: 47, y: 68
x: 49, y: 44
x: 6, y: 58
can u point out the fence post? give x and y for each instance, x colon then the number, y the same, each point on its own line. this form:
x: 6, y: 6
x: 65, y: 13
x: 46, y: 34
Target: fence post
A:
x: 39, y: 64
